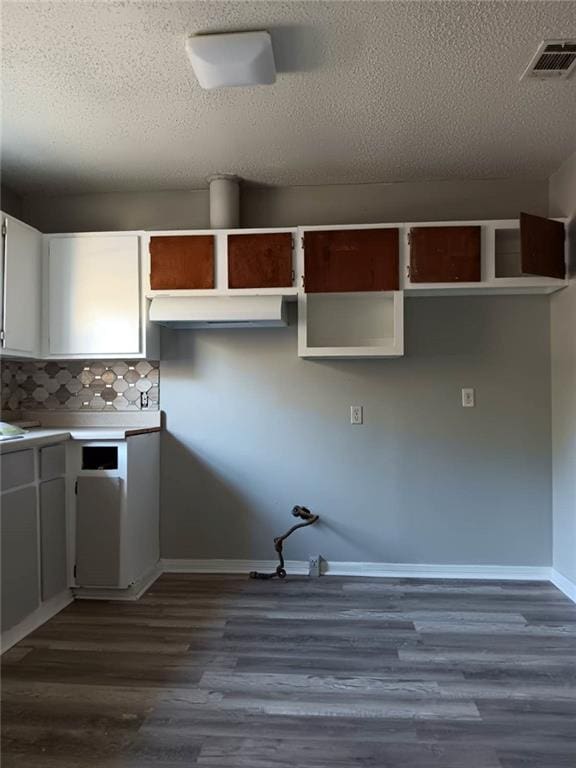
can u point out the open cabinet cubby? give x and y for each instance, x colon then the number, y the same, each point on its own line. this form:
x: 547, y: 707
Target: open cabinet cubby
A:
x: 508, y: 253
x: 351, y: 324
x: 534, y: 249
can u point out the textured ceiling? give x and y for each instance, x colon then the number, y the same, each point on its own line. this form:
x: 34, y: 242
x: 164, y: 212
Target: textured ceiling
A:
x: 100, y: 95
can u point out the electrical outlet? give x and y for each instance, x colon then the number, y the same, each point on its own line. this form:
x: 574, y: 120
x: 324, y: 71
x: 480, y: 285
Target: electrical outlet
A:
x: 356, y: 414
x: 144, y: 400
x: 314, y: 562
x: 468, y: 399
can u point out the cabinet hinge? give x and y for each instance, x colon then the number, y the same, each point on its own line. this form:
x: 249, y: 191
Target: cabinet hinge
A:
x: 302, y: 242
x: 4, y: 229
x: 76, y: 487
x: 75, y: 570
x: 410, y: 237
x: 2, y: 337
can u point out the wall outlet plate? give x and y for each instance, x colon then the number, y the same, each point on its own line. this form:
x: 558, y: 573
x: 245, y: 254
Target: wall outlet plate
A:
x: 314, y: 566
x: 356, y: 414
x: 468, y: 399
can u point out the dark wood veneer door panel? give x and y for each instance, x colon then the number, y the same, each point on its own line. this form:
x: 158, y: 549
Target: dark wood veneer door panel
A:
x: 351, y: 260
x: 542, y: 246
x: 445, y: 255
x: 181, y: 261
x: 260, y: 260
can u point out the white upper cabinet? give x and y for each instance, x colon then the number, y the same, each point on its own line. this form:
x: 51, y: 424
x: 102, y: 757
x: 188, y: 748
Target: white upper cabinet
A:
x: 20, y: 280
x: 525, y: 255
x: 92, y: 295
x: 210, y: 262
x: 350, y: 305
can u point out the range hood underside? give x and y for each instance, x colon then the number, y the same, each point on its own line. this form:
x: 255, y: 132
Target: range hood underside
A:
x: 219, y: 312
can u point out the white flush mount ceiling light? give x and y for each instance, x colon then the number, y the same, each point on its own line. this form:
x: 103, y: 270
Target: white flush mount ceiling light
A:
x: 232, y: 59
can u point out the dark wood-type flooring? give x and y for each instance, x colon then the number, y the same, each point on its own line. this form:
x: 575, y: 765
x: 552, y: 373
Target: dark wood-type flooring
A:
x: 326, y: 673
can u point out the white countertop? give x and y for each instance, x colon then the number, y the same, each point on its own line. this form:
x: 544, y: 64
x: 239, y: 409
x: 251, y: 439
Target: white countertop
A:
x: 38, y: 436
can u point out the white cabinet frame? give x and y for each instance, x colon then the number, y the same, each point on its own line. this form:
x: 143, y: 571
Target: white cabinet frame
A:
x: 148, y: 346
x: 139, y: 541
x: 148, y: 334
x: 392, y: 308
x: 220, y: 263
x: 489, y: 283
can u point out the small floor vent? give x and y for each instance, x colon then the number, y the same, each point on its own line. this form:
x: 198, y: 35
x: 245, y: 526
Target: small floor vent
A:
x: 554, y: 58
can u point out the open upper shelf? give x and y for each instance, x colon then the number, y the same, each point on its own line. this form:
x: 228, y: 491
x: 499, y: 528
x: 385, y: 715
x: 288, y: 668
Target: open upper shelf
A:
x: 351, y: 324
x: 534, y: 249
x: 507, y: 256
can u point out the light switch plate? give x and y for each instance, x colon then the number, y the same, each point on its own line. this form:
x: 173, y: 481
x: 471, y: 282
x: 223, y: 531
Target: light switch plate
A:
x: 468, y: 398
x: 356, y: 414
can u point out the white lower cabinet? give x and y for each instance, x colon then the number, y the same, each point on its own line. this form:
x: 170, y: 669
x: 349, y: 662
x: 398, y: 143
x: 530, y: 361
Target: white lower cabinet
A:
x: 34, y: 534
x: 20, y: 582
x: 105, y: 536
x: 117, y: 512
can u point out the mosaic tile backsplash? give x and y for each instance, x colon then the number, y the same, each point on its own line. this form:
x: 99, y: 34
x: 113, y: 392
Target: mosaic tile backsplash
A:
x: 80, y: 385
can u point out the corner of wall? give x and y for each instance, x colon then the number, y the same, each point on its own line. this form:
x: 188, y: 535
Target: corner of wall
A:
x: 562, y: 201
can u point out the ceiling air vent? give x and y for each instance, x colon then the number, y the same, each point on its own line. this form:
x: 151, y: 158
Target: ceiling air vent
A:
x: 554, y: 58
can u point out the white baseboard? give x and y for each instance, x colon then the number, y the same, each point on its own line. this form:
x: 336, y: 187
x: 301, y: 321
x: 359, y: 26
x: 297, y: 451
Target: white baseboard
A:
x: 383, y: 570
x: 565, y: 585
x: 133, y: 592
x: 434, y: 571
x: 42, y: 614
x: 182, y: 565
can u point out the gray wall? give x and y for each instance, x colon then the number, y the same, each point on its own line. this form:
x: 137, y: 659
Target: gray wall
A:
x: 417, y: 201
x: 101, y: 212
x: 252, y: 430
x: 290, y: 206
x: 563, y: 346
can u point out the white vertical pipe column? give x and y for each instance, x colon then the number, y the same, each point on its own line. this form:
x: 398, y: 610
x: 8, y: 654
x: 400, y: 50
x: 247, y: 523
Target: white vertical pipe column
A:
x: 224, y: 201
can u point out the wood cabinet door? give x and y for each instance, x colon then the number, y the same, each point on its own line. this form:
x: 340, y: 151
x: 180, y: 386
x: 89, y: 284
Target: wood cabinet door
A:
x: 261, y: 260
x: 343, y: 260
x: 542, y: 246
x: 181, y: 262
x: 445, y: 255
